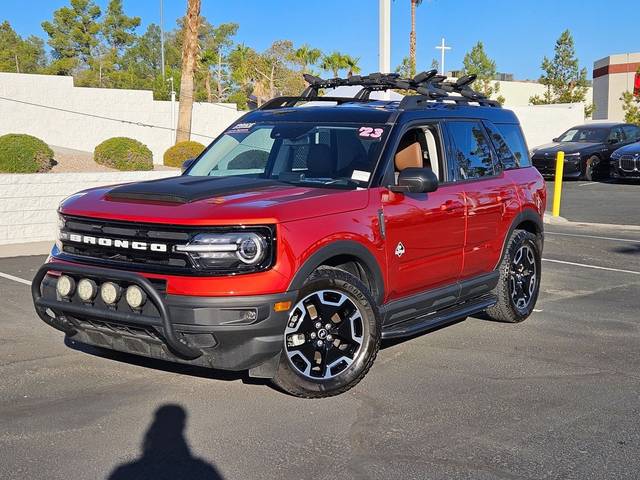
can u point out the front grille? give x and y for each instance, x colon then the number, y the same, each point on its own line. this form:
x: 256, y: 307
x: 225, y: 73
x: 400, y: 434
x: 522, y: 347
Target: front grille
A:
x: 629, y: 163
x: 149, y: 247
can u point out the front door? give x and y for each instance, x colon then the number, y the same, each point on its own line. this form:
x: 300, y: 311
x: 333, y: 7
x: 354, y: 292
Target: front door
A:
x: 424, y: 231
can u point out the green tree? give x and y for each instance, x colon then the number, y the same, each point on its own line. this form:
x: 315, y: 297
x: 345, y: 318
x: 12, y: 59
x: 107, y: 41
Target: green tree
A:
x: 273, y: 73
x: 306, y: 56
x: 404, y: 68
x: 477, y: 62
x: 73, y: 34
x: 190, y: 49
x: 20, y: 55
x: 117, y: 28
x: 566, y: 82
x: 334, y: 62
x: 351, y: 64
x: 215, y: 43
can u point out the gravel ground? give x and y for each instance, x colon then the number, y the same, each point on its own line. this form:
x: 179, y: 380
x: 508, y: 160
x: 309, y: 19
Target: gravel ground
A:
x: 70, y: 160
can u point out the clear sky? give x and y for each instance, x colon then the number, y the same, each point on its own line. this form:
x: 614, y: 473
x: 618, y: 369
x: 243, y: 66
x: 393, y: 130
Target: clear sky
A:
x: 516, y: 33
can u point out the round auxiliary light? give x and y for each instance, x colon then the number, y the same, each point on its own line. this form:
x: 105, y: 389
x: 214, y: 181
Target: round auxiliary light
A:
x: 110, y: 292
x: 135, y: 296
x: 87, y: 289
x: 250, y: 250
x: 65, y: 286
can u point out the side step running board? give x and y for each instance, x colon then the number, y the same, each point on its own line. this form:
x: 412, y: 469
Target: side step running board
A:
x: 437, y: 319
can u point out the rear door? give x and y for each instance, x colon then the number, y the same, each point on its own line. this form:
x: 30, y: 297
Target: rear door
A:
x: 491, y: 197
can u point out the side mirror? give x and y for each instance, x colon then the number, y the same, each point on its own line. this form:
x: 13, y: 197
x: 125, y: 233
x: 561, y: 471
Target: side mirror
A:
x: 416, y: 180
x: 613, y: 141
x: 186, y: 164
x: 557, y: 139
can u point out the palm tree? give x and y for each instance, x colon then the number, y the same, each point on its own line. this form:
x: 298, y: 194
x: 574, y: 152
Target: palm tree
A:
x: 334, y: 62
x: 412, y: 36
x: 352, y: 64
x: 189, y: 59
x: 305, y: 56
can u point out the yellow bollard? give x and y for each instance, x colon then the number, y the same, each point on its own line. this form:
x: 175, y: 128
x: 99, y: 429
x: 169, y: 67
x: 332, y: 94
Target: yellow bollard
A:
x: 557, y: 187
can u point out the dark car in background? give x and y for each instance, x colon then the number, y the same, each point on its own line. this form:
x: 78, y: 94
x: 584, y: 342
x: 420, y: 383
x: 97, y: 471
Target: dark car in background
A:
x: 625, y: 162
x: 587, y: 149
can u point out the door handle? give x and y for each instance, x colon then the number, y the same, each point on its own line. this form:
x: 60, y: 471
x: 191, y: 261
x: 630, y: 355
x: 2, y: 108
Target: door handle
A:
x: 451, y: 206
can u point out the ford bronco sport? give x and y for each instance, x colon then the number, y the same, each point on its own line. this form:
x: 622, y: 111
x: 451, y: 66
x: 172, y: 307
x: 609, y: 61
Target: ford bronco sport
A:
x: 306, y: 233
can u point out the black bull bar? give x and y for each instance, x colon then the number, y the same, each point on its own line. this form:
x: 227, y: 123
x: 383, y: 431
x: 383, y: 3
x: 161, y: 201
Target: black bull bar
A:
x: 162, y: 323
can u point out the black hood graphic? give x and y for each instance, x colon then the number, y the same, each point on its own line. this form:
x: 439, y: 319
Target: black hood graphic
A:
x: 187, y: 189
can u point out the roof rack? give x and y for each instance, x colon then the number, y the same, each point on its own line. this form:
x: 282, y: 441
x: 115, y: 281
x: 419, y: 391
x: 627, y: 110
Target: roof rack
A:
x: 428, y: 85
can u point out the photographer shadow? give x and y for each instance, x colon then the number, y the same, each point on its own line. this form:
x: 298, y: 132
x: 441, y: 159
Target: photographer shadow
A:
x: 165, y: 452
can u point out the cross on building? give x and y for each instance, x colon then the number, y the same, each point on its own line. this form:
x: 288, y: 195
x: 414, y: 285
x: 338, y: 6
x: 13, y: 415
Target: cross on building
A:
x: 442, y: 47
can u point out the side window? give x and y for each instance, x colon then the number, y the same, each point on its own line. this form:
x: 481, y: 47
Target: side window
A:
x: 472, y: 151
x: 512, y: 135
x: 632, y: 132
x: 421, y: 147
x: 617, y: 135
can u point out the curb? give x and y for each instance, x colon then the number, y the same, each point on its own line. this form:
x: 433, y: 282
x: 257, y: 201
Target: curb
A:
x: 550, y: 220
x: 25, y: 249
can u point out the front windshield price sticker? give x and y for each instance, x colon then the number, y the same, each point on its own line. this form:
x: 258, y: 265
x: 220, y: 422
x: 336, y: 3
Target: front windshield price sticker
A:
x: 360, y: 176
x: 370, y: 133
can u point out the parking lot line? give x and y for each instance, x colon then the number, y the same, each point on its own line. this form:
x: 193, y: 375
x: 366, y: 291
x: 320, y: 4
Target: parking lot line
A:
x: 593, y: 236
x: 15, y: 279
x: 633, y: 272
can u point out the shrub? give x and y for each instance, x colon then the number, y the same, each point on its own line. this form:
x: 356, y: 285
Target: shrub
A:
x: 124, y: 154
x: 21, y: 153
x: 181, y: 151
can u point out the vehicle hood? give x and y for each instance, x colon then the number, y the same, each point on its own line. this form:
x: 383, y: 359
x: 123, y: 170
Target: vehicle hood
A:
x: 631, y: 149
x: 189, y: 200
x: 567, y: 147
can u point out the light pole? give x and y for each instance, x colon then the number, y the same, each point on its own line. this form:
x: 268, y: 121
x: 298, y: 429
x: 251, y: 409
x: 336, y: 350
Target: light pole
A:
x: 162, y: 41
x: 384, y: 55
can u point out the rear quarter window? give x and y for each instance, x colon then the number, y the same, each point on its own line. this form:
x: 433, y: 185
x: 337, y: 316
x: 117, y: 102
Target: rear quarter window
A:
x: 512, y: 136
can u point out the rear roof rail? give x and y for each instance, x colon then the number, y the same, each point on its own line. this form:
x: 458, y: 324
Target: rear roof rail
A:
x: 428, y: 85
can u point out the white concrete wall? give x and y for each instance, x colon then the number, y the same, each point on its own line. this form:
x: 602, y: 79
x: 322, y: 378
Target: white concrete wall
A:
x: 28, y: 202
x: 541, y: 123
x: 83, y: 132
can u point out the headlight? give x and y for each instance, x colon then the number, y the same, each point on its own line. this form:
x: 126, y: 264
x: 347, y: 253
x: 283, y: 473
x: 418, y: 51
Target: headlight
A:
x: 238, y: 251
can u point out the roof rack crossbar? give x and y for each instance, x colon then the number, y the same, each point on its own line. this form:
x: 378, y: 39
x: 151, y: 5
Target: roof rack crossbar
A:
x: 286, y: 102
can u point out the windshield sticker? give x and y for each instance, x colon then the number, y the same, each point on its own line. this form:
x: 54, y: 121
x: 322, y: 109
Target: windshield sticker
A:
x: 360, y: 176
x: 241, y: 128
x: 370, y: 133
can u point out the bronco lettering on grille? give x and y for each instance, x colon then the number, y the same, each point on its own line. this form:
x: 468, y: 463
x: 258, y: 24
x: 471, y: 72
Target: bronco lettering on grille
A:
x: 111, y: 242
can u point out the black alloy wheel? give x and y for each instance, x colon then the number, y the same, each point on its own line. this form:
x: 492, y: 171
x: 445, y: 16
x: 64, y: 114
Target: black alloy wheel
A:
x: 331, y: 338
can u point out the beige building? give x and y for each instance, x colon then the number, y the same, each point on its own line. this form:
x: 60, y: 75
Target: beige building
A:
x: 612, y: 76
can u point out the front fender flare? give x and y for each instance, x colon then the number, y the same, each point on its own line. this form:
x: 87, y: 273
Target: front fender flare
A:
x: 342, y: 247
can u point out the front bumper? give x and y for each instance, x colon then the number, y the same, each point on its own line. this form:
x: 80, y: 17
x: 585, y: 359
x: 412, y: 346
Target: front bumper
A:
x: 229, y: 333
x: 547, y: 166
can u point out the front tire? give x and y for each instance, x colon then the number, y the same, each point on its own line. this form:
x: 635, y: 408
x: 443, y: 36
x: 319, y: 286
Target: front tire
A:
x: 590, y: 168
x: 519, y: 282
x: 332, y: 336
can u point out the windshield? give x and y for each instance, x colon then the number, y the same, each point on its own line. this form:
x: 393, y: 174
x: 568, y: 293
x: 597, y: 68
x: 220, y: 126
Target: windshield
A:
x: 332, y: 155
x: 585, y: 135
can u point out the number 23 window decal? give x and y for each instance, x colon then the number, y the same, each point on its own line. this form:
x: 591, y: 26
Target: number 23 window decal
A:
x: 370, y: 133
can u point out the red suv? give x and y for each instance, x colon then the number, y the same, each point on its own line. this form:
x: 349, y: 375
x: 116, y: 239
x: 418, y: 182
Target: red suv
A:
x: 306, y: 233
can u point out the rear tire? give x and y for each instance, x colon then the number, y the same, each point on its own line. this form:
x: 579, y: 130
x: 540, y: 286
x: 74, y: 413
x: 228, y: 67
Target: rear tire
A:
x: 321, y: 362
x: 519, y: 282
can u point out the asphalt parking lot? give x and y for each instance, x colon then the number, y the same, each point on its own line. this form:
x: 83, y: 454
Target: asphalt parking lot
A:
x: 605, y: 201
x: 554, y: 397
